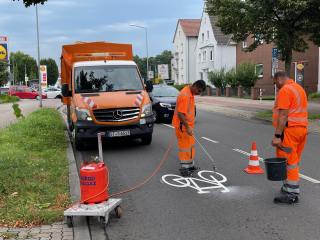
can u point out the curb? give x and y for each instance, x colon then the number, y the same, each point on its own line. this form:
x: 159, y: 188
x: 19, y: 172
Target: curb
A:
x: 80, y: 225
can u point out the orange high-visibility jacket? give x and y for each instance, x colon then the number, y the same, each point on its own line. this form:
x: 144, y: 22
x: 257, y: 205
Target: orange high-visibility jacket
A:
x: 292, y: 97
x: 185, y: 104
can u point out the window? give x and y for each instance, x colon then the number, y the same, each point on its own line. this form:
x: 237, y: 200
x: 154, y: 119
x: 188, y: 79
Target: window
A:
x: 245, y: 44
x: 204, y: 56
x: 179, y: 33
x: 259, y: 70
x: 199, y: 57
x: 208, y: 35
x: 211, y: 55
x: 202, y: 37
x: 106, y: 79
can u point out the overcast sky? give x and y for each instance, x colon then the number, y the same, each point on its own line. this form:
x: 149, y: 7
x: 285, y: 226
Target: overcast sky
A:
x: 66, y: 21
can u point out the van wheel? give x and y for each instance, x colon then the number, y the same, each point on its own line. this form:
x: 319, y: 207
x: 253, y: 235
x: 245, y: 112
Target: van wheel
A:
x: 78, y: 143
x: 147, y: 139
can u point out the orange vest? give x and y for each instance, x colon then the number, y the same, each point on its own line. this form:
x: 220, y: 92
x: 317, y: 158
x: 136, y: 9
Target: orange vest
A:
x: 186, y: 105
x: 292, y: 97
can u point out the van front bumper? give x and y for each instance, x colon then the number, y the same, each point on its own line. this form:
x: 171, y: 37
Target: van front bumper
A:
x: 89, y: 129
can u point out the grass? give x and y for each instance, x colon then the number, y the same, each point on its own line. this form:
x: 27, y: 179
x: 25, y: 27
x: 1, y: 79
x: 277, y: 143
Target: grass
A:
x: 8, y: 99
x: 267, y: 115
x: 33, y: 170
x: 314, y: 97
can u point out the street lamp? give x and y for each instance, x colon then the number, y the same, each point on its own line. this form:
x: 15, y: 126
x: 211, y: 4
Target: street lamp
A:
x: 39, y: 72
x: 146, y: 31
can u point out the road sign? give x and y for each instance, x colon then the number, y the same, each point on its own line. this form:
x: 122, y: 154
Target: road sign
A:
x: 275, y: 61
x: 43, y: 75
x: 163, y: 71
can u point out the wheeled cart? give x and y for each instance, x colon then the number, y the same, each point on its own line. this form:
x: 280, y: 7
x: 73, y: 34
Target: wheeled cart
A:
x: 100, y: 210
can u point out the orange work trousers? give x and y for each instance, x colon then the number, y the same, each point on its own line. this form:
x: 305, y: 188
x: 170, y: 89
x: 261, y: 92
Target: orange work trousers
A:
x: 294, y: 138
x: 186, y: 146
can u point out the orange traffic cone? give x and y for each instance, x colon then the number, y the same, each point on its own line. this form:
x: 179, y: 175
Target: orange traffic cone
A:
x: 253, y: 166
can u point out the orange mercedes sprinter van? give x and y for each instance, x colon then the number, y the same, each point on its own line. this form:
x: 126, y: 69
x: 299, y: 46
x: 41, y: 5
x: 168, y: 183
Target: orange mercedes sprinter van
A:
x: 104, y: 92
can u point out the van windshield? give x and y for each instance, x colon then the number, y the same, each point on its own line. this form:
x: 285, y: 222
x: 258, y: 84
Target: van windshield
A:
x: 106, y: 79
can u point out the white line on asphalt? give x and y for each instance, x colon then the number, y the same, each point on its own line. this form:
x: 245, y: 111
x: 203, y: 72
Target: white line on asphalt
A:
x: 167, y: 125
x: 309, y: 178
x: 261, y: 159
x: 210, y: 140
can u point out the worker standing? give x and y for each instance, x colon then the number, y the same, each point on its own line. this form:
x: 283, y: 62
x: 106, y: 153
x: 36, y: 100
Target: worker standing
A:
x: 183, y: 121
x: 290, y: 119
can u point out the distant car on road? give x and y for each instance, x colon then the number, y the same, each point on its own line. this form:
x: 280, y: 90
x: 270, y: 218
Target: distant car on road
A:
x: 24, y: 92
x: 52, y: 92
x: 164, y: 99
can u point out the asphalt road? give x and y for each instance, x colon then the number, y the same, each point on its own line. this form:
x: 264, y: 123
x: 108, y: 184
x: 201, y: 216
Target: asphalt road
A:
x: 161, y: 211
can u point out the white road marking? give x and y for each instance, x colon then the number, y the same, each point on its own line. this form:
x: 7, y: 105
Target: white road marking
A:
x: 309, y: 178
x: 213, y: 179
x: 210, y: 140
x: 261, y: 159
x: 168, y: 125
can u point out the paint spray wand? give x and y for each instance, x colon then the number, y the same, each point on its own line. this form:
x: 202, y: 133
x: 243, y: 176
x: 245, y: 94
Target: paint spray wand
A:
x: 206, y: 152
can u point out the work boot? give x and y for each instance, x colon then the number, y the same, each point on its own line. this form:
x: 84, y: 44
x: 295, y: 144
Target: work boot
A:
x: 185, y: 172
x: 193, y: 168
x: 286, y: 198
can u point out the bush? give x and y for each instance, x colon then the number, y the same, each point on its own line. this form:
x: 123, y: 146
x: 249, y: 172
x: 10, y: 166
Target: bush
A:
x: 314, y: 95
x: 218, y: 78
x: 246, y: 75
x: 8, y: 99
x: 231, y: 78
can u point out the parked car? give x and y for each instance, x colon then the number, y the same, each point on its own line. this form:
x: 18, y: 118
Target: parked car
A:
x: 164, y: 99
x: 52, y: 92
x: 25, y: 92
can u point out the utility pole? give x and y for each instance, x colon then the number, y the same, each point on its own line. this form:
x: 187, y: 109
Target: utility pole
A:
x: 147, y: 47
x: 39, y: 72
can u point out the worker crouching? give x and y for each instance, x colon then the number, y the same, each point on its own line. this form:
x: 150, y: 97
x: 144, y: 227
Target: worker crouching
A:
x: 290, y: 119
x: 183, y: 121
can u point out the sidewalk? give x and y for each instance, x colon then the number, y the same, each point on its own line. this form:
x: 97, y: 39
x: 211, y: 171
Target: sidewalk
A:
x: 248, y: 104
x: 27, y: 106
x: 247, y: 108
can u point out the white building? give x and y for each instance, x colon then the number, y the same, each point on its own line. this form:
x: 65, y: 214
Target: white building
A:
x: 184, y: 44
x: 214, y: 50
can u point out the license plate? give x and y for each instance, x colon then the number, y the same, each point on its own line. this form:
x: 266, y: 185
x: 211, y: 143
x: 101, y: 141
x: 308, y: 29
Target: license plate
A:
x: 119, y: 133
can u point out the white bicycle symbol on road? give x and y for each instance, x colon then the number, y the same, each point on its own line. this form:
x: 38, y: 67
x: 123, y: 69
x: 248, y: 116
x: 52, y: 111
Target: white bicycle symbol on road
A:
x: 213, y: 179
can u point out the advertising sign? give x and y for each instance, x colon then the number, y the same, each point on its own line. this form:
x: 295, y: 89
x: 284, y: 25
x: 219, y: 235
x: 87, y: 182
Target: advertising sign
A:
x: 43, y: 75
x: 4, y: 54
x: 163, y: 71
x: 151, y: 74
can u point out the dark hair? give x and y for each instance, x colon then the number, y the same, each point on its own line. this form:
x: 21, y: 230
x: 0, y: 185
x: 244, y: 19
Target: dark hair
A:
x: 200, y: 84
x: 280, y: 74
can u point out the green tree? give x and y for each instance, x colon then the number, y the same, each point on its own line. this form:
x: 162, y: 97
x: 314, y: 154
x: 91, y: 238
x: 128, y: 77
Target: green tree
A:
x: 22, y: 64
x: 4, y: 74
x: 28, y: 3
x: 246, y: 75
x: 52, y: 70
x: 286, y: 23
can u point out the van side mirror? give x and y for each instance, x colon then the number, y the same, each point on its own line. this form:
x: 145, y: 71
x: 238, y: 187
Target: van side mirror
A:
x: 149, y: 86
x: 65, y: 90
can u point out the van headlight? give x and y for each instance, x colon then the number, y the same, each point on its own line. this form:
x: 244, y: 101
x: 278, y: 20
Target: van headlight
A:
x: 165, y: 105
x: 146, y: 110
x: 83, y: 114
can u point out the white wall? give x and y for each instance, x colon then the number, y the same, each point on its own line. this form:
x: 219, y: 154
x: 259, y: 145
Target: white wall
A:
x: 226, y: 57
x: 223, y: 56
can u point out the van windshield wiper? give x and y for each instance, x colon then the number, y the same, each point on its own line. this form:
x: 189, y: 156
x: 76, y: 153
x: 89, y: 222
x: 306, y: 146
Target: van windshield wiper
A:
x: 118, y: 90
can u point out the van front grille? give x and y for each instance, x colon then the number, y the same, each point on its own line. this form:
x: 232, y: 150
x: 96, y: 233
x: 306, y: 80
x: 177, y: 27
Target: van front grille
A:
x: 116, y: 115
